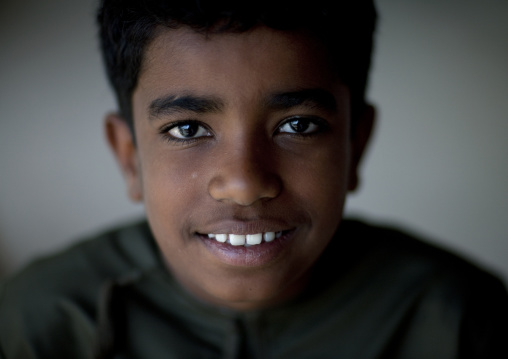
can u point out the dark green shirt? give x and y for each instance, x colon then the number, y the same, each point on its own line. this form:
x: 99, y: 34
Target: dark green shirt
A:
x: 375, y: 293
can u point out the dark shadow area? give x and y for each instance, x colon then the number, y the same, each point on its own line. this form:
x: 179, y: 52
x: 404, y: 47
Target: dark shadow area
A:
x: 4, y: 259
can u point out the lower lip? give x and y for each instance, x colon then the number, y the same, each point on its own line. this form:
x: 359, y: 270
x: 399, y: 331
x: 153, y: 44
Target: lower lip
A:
x: 252, y: 256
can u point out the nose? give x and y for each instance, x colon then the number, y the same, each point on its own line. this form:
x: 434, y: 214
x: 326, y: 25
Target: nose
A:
x: 244, y: 176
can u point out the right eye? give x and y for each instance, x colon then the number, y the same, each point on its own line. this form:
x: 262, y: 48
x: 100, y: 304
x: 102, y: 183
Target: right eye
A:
x: 186, y: 130
x: 299, y: 126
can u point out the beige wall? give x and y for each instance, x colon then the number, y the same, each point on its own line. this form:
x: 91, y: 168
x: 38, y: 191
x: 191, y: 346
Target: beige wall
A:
x: 438, y: 163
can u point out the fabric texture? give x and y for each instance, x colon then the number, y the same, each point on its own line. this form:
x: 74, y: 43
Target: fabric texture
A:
x: 375, y: 293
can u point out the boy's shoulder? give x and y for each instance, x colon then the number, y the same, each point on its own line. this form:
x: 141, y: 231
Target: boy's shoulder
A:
x: 397, y: 292
x: 108, y: 255
x: 61, y: 292
x: 400, y: 253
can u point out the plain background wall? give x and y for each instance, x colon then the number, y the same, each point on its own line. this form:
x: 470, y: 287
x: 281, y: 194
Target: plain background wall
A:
x: 437, y: 164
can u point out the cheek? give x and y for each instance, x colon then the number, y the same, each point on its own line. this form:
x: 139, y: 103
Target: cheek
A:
x: 320, y: 178
x: 172, y: 185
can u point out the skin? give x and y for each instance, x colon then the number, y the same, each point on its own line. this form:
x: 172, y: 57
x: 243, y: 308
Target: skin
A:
x: 245, y: 170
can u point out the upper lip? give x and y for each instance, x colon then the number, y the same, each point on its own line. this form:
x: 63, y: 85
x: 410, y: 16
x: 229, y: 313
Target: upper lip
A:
x: 244, y: 227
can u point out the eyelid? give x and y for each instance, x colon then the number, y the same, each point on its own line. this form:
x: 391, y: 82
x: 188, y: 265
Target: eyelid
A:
x: 318, y: 121
x: 164, y: 131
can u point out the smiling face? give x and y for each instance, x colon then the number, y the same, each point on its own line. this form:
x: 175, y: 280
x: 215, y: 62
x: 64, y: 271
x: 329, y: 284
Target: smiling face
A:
x: 240, y: 138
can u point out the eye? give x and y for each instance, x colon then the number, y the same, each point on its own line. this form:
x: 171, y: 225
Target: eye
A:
x: 186, y: 130
x: 299, y: 125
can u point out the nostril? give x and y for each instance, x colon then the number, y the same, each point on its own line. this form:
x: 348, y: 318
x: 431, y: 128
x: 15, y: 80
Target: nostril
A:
x: 244, y: 189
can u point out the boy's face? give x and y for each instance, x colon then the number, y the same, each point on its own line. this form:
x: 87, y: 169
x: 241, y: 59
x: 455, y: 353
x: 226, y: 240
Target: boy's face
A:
x: 239, y: 134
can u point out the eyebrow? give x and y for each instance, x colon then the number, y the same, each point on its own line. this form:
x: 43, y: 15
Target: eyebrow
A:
x: 313, y: 98
x: 187, y: 103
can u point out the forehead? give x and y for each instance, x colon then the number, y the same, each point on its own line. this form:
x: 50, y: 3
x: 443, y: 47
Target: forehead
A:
x: 233, y: 65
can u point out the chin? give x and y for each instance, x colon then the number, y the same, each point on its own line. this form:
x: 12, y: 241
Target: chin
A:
x: 251, y: 294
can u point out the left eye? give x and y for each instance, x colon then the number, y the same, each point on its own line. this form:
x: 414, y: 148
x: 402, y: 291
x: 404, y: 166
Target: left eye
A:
x: 188, y: 130
x: 299, y: 126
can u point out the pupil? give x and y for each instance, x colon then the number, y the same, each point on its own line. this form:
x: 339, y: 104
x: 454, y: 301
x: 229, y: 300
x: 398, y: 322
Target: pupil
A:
x: 188, y: 130
x: 299, y: 125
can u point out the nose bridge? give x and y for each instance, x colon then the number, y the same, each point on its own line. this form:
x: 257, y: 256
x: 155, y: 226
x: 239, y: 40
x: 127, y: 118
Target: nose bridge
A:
x: 245, y: 172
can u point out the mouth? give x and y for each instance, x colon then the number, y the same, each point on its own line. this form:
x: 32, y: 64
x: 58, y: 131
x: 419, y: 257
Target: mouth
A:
x: 248, y: 250
x: 246, y: 240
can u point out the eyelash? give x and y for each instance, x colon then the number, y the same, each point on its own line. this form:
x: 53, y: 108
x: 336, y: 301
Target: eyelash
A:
x: 320, y: 124
x: 164, y: 132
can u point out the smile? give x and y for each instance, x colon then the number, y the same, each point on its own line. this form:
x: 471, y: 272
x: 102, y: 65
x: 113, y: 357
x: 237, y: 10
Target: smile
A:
x: 245, y: 240
x: 243, y: 247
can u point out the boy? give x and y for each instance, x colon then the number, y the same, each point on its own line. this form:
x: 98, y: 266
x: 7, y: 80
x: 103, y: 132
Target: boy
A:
x: 241, y: 128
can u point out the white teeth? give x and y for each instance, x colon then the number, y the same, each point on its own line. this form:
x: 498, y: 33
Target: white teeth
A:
x: 237, y: 239
x: 269, y: 236
x: 220, y: 237
x: 254, y: 238
x: 245, y: 240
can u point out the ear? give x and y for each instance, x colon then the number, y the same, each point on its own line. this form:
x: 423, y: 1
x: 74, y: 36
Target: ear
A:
x: 121, y: 142
x: 360, y: 135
